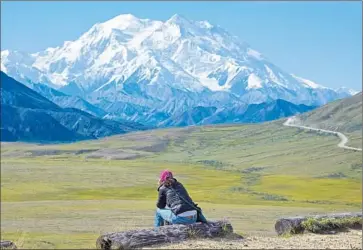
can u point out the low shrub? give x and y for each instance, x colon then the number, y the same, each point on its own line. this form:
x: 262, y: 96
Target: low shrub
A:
x: 324, y: 225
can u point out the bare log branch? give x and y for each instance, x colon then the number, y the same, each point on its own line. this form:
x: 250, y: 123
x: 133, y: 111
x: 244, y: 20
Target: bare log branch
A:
x: 161, y: 235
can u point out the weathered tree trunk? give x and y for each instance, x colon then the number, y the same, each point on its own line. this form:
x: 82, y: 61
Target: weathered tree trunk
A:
x: 293, y: 225
x: 7, y: 244
x: 165, y: 234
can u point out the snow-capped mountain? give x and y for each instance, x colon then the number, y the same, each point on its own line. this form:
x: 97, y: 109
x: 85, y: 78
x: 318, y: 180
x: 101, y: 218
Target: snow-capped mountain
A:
x: 162, y: 67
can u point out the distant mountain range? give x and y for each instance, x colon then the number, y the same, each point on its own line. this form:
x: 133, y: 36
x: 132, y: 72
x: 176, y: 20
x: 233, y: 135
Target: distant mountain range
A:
x: 253, y: 113
x: 173, y: 73
x: 28, y: 116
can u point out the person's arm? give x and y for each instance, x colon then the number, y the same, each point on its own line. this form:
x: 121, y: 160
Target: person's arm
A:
x: 161, y: 203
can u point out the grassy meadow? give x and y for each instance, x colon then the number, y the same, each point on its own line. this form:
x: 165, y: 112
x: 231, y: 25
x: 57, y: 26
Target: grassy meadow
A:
x: 66, y: 195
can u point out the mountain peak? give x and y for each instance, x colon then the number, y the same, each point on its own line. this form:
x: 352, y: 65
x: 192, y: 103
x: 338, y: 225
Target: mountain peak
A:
x: 177, y: 18
x: 123, y: 17
x: 346, y: 90
x: 177, y: 55
x: 122, y: 22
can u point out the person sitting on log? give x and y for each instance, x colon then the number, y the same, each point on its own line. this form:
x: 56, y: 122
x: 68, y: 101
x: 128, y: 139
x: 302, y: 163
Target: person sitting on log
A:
x: 174, y: 204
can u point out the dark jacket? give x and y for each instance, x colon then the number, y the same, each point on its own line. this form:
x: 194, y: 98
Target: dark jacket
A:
x: 170, y: 196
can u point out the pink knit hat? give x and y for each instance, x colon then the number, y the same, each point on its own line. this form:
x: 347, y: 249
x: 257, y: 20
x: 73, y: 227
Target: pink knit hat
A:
x: 166, y: 174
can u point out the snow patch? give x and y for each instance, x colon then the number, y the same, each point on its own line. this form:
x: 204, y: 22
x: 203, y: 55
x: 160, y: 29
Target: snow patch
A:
x: 272, y: 75
x: 205, y: 24
x: 210, y: 83
x: 144, y: 34
x: 3, y: 69
x: 347, y: 90
x: 254, y: 82
x: 352, y: 92
x: 254, y: 53
x: 4, y: 53
x: 58, y: 79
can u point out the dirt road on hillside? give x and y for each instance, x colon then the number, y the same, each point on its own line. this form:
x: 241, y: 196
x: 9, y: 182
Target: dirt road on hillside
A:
x: 343, y: 139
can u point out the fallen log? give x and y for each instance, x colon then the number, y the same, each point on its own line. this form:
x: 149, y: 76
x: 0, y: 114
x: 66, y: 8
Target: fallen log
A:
x: 161, y: 235
x: 7, y: 244
x: 318, y: 223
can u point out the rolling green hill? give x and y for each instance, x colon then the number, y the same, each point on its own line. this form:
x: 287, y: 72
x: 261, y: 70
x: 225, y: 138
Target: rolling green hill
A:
x: 343, y: 115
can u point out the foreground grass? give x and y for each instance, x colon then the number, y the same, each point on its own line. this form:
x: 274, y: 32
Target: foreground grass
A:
x: 77, y: 224
x: 67, y: 194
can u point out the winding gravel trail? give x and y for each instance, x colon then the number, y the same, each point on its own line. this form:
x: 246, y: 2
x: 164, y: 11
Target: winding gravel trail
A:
x: 343, y: 139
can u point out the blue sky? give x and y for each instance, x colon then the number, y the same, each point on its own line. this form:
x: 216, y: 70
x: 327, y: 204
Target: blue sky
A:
x: 320, y: 41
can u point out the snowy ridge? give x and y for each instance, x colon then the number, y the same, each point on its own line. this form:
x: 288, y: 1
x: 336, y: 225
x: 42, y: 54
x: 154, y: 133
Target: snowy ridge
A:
x: 308, y: 83
x: 153, y: 64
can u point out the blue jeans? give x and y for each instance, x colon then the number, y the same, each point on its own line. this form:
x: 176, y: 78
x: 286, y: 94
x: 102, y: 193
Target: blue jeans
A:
x: 169, y: 216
